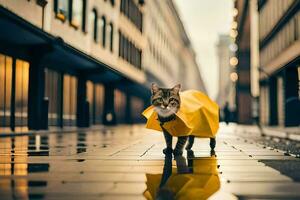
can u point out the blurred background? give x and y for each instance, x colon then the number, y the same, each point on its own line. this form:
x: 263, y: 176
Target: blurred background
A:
x: 80, y: 63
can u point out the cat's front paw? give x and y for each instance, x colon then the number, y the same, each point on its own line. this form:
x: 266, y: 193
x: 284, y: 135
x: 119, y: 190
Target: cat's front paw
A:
x: 168, y: 151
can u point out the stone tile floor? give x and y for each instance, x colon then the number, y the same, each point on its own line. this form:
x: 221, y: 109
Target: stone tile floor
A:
x: 126, y: 162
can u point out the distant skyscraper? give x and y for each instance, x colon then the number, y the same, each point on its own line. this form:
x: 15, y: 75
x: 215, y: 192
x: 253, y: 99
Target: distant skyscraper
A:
x: 227, y: 75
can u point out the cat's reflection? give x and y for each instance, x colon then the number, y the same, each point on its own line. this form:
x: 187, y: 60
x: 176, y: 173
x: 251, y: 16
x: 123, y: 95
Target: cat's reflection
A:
x: 194, y: 178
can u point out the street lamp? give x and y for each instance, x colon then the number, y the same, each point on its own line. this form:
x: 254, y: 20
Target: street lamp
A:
x: 235, y: 12
x: 233, y: 33
x: 234, y: 76
x: 233, y: 61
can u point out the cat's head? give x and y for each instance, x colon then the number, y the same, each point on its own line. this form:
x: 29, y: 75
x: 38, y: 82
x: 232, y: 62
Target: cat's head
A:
x: 165, y: 100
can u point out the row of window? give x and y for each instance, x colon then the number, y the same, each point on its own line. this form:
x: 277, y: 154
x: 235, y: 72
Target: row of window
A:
x: 74, y: 11
x: 283, y: 39
x: 270, y: 14
x: 14, y: 77
x: 160, y: 59
x: 61, y: 92
x: 131, y: 10
x: 99, y: 25
x: 160, y: 34
x: 129, y: 52
x: 160, y: 46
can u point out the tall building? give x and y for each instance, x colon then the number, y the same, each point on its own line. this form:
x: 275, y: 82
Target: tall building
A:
x: 227, y: 76
x: 169, y: 57
x: 279, y: 43
x: 241, y: 34
x: 82, y: 62
x: 269, y: 59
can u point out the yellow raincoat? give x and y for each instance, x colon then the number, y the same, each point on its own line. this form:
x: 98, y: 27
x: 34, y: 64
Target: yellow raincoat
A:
x: 198, y: 115
x: 201, y: 184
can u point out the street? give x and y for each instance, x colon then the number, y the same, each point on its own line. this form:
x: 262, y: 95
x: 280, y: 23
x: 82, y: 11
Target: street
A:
x: 118, y: 163
x: 78, y: 79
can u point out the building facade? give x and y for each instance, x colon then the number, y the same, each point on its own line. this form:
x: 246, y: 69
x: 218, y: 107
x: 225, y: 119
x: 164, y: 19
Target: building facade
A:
x: 169, y: 57
x: 269, y: 58
x: 279, y: 43
x: 227, y: 74
x: 241, y: 36
x: 73, y: 63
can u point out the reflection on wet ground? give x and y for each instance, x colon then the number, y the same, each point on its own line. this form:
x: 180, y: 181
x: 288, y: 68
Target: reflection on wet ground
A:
x: 126, y: 162
x: 193, y: 178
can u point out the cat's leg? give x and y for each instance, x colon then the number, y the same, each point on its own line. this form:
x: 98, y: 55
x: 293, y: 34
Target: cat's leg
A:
x: 190, y: 152
x: 212, y: 143
x: 190, y: 142
x: 168, y: 138
x: 178, y: 151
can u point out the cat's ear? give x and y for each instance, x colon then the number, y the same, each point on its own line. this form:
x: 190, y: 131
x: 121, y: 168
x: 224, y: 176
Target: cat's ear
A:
x: 176, y: 88
x: 154, y: 88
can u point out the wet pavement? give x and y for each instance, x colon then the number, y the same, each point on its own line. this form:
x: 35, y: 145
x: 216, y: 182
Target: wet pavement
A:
x: 126, y: 162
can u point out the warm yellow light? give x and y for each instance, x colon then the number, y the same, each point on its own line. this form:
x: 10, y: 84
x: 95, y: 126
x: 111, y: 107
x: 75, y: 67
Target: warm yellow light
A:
x: 234, y: 77
x: 233, y: 33
x: 235, y: 12
x: 234, y: 25
x: 233, y: 61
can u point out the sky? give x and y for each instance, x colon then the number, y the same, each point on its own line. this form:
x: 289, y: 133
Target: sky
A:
x: 204, y: 20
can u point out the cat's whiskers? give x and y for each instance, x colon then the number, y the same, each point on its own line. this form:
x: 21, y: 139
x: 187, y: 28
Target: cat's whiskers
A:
x: 164, y: 112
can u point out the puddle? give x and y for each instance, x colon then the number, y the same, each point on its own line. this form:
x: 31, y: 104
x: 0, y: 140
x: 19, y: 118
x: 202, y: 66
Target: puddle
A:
x: 188, y: 179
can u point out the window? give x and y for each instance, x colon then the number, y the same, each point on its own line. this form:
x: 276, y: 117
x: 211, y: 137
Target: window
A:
x: 120, y: 105
x: 131, y: 10
x: 78, y: 13
x: 103, y: 28
x: 21, y: 93
x: 74, y: 10
x: 69, y: 100
x: 53, y: 91
x: 6, y: 63
x: 61, y: 8
x: 129, y: 52
x: 112, y: 2
x: 99, y: 103
x: 95, y: 24
x: 122, y: 8
x: 120, y: 41
x: 77, y: 10
x: 95, y: 97
x: 111, y: 35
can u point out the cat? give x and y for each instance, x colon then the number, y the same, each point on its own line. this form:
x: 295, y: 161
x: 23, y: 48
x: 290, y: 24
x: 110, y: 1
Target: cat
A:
x: 166, y: 102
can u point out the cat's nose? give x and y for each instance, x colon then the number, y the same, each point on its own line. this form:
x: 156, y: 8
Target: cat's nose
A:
x: 165, y: 104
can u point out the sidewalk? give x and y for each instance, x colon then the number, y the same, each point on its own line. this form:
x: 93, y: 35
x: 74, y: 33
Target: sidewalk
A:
x: 118, y: 163
x: 19, y: 131
x: 292, y: 133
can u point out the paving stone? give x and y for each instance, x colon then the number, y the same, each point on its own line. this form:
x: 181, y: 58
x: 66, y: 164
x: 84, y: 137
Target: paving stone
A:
x: 260, y: 190
x: 118, y: 163
x: 254, y: 177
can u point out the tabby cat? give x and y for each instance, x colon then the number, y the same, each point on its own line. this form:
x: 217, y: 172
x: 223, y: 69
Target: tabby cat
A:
x: 166, y: 102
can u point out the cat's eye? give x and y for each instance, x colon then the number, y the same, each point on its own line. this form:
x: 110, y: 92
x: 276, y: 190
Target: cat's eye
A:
x: 159, y: 99
x: 172, y: 99
x: 173, y: 103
